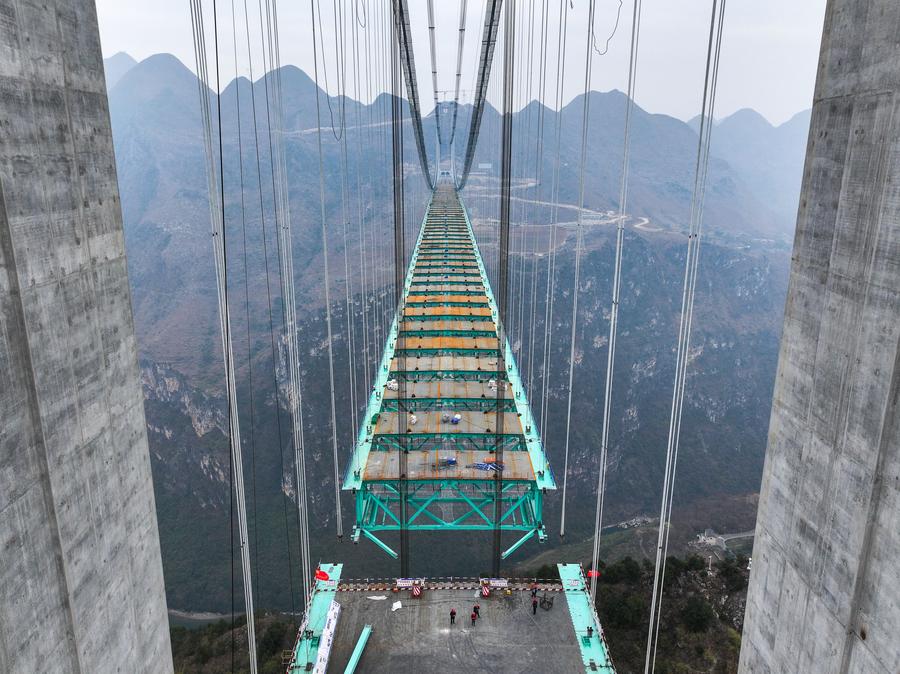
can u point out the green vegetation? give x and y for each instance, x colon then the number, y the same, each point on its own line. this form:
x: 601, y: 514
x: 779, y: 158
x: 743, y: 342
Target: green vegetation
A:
x: 697, y: 615
x: 210, y: 649
x: 702, y: 614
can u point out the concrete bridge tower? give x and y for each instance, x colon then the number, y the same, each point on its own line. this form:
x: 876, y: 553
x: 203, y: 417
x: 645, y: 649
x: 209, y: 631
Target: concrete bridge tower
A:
x: 824, y: 591
x: 81, y: 586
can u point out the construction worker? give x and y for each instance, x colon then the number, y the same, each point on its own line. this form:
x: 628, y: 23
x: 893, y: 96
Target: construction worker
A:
x: 477, y: 610
x: 590, y: 631
x: 534, y: 606
x: 452, y: 616
x: 533, y: 590
x: 474, y: 618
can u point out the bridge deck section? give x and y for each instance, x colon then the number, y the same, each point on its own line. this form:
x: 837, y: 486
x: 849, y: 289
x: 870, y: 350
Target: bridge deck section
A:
x: 439, y: 396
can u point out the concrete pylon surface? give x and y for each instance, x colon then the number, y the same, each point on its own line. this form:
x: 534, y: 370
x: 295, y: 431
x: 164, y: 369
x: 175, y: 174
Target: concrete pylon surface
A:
x: 824, y: 592
x: 81, y: 585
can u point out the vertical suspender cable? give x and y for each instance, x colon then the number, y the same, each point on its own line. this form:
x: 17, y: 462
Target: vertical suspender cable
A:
x: 399, y: 267
x: 539, y: 175
x: 251, y: 402
x: 554, y: 213
x: 616, y: 286
x: 217, y: 221
x: 289, y: 303
x: 687, y: 310
x: 578, y: 246
x: 503, y: 286
x: 334, y: 442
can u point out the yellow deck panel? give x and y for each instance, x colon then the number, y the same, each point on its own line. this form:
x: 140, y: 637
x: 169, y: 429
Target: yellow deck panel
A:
x: 448, y: 311
x: 413, y: 342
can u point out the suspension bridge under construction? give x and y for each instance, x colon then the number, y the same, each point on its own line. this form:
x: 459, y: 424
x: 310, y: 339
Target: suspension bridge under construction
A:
x: 447, y: 444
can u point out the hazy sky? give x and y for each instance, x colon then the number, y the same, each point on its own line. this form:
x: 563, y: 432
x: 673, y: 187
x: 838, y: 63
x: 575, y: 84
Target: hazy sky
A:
x: 768, y: 58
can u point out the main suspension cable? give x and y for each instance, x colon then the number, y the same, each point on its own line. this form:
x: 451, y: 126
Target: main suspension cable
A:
x: 459, y: 55
x: 488, y: 42
x: 434, y: 84
x: 404, y: 36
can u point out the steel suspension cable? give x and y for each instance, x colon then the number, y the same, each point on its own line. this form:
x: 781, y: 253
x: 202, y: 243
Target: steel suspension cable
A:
x: 554, y: 214
x: 396, y: 48
x: 714, y: 47
x: 216, y: 180
x: 488, y: 42
x: 503, y: 271
x: 281, y: 212
x: 617, y: 281
x: 459, y: 55
x: 434, y: 84
x: 408, y: 62
x: 327, y: 281
x: 539, y: 175
x: 579, y: 242
x: 289, y: 305
x: 243, y: 210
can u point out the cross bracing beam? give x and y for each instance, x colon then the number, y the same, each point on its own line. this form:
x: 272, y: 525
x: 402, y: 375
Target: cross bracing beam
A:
x: 449, y: 505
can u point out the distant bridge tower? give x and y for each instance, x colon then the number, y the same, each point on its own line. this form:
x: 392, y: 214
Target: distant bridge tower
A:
x: 825, y: 586
x: 81, y: 586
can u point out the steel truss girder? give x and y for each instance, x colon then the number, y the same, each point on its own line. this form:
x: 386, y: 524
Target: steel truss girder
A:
x: 428, y: 442
x: 446, y: 375
x: 444, y: 274
x: 460, y: 293
x: 449, y: 505
x: 449, y: 404
x: 426, y: 318
x: 419, y: 332
x: 444, y: 303
x: 448, y: 351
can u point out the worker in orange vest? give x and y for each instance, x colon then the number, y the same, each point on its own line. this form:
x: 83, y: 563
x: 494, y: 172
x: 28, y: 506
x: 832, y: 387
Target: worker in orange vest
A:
x: 474, y: 618
x: 452, y: 616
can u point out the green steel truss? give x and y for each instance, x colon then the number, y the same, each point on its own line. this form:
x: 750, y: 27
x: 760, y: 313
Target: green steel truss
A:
x: 442, y: 336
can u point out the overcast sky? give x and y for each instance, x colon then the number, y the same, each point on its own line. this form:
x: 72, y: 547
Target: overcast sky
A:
x: 769, y: 51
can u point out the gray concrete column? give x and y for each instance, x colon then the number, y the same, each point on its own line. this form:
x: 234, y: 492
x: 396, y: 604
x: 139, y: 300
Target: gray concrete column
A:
x: 81, y: 586
x: 825, y: 586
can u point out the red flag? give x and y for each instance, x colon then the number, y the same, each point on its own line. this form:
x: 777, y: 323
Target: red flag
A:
x: 593, y: 573
x: 321, y: 575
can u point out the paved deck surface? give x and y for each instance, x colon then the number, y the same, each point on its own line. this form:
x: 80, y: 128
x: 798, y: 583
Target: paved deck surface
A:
x: 428, y: 466
x: 419, y: 639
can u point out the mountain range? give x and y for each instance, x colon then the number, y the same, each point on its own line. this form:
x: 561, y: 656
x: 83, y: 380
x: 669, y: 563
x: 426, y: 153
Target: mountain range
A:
x: 162, y: 169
